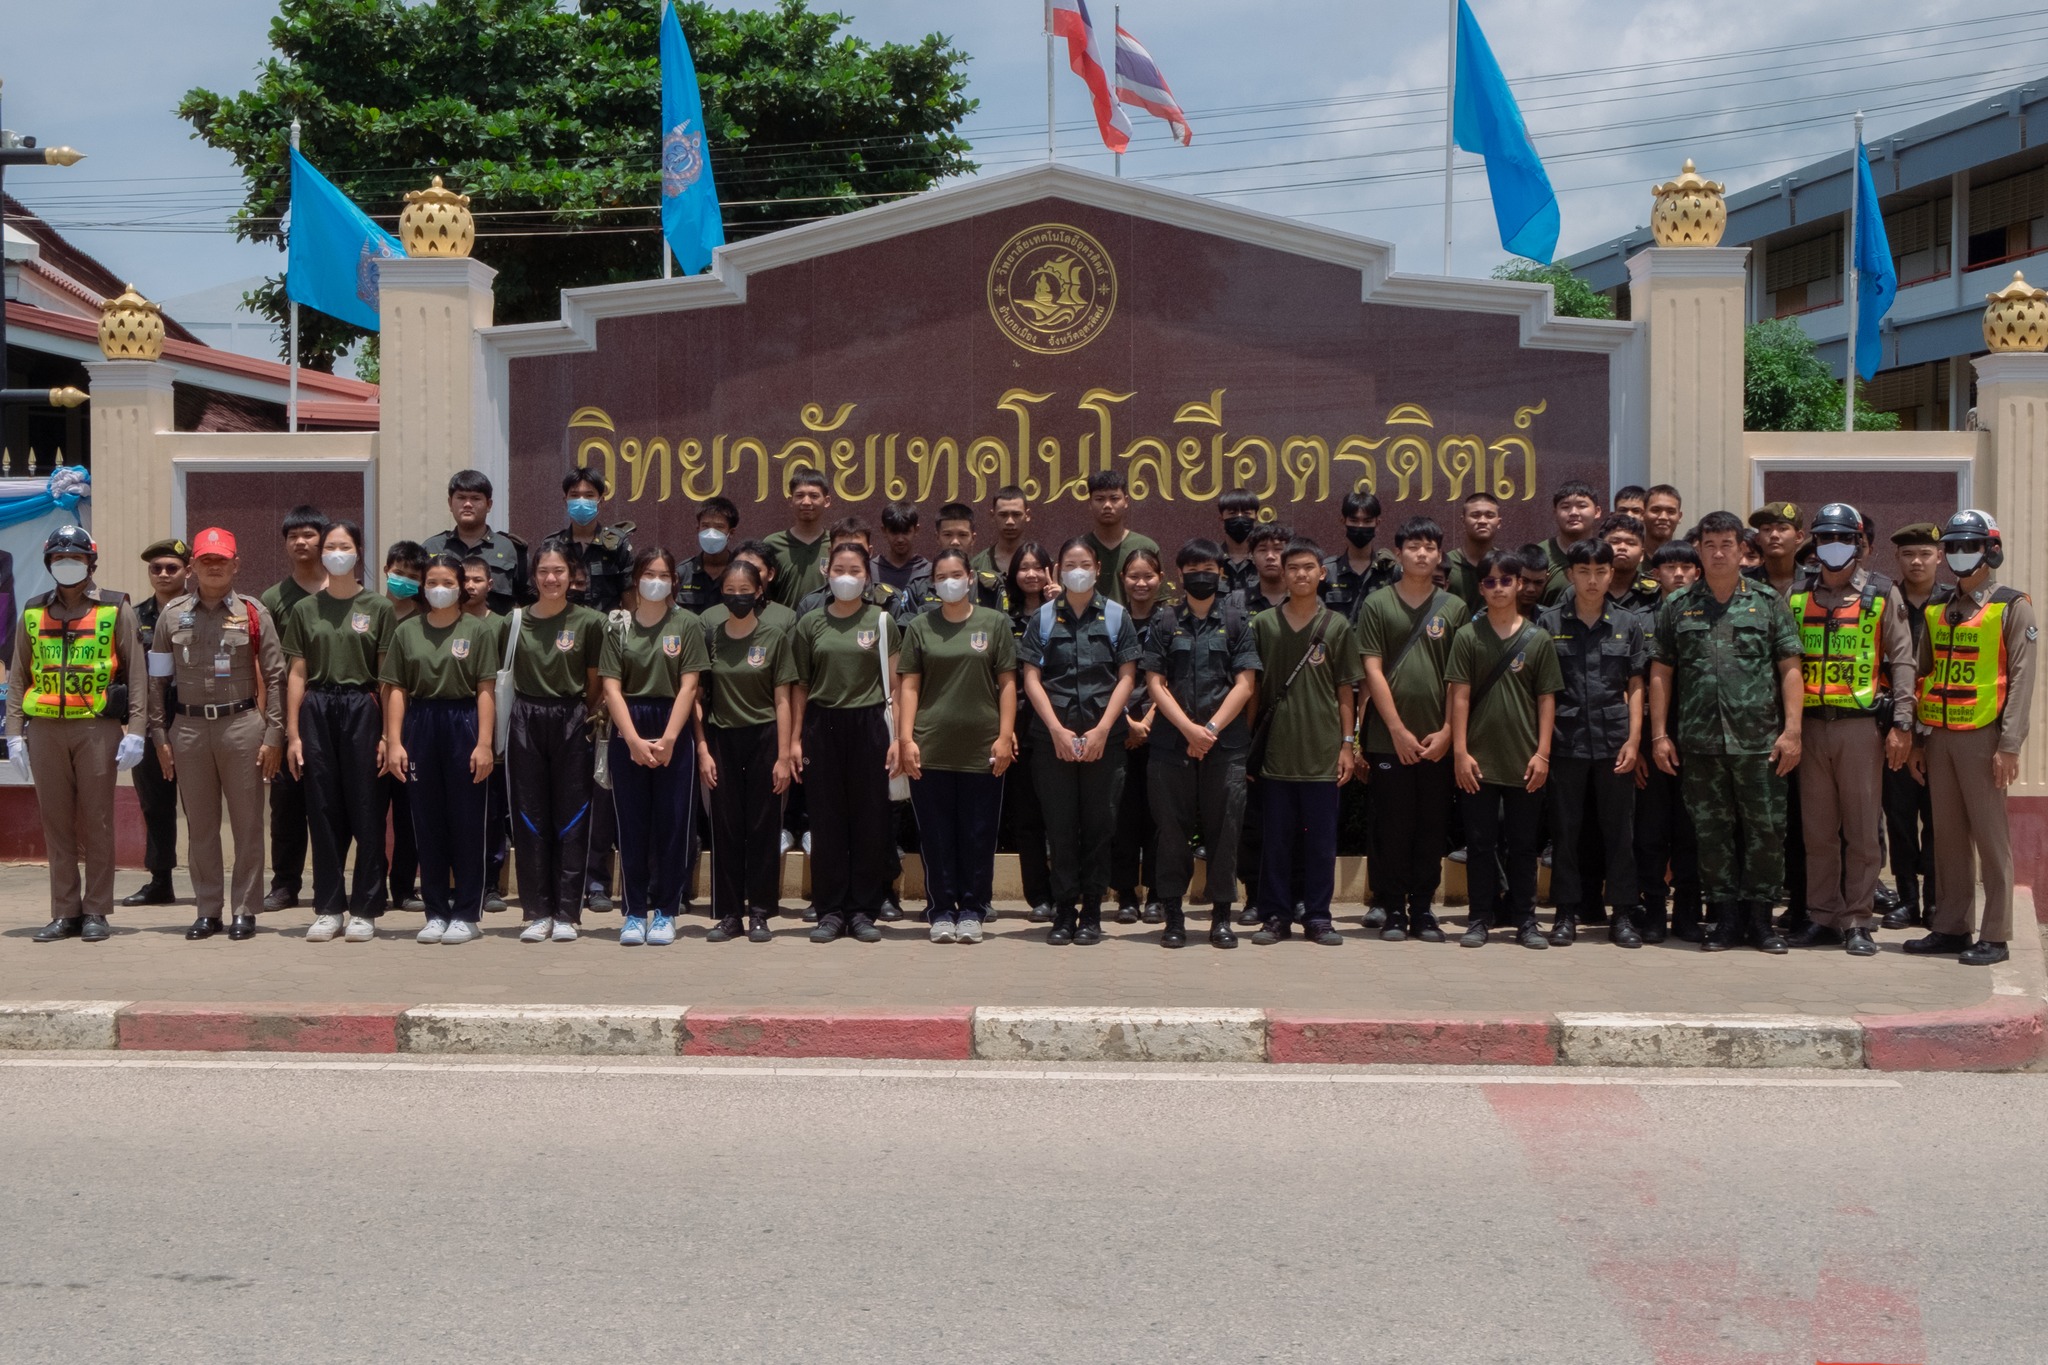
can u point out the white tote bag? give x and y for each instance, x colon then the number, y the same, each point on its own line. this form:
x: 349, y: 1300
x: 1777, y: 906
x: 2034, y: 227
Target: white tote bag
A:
x: 899, y: 785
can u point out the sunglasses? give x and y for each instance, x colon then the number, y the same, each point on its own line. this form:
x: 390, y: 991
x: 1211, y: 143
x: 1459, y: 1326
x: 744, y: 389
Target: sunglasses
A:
x: 1500, y: 582
x: 168, y: 566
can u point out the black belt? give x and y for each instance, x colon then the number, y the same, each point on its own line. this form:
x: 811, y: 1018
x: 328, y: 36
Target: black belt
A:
x: 340, y: 687
x: 215, y: 710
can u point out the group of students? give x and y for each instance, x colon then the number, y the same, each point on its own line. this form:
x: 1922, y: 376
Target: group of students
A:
x: 1630, y: 696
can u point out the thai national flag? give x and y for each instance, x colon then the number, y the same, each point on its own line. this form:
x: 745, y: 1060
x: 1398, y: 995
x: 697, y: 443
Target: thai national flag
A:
x: 1139, y: 82
x: 1070, y: 21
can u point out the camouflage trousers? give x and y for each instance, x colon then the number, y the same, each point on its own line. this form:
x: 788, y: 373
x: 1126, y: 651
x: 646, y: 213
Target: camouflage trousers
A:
x: 1738, y: 811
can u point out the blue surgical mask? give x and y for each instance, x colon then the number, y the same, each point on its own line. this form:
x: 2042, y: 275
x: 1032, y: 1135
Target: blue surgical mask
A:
x: 583, y: 511
x: 401, y: 587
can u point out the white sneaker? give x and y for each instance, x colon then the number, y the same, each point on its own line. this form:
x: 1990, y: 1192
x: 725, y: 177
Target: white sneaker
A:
x: 788, y: 841
x: 433, y: 931
x: 324, y: 929
x: 661, y: 931
x: 461, y: 931
x: 565, y: 932
x: 942, y: 931
x: 537, y: 931
x: 967, y: 931
x: 360, y: 930
x: 807, y: 843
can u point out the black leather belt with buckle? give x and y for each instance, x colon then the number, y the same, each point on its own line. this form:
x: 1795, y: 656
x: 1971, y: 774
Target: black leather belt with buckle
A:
x: 218, y: 709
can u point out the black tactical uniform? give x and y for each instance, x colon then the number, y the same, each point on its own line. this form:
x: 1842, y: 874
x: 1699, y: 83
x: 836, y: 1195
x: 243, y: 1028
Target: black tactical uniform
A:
x: 1344, y: 588
x: 511, y: 577
x: 606, y: 557
x: 918, y: 598
x: 697, y: 588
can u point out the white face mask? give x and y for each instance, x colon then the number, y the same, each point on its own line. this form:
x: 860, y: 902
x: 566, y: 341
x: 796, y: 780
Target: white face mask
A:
x: 1079, y: 580
x: 952, y: 589
x: 1961, y: 564
x: 440, y: 598
x: 846, y: 587
x: 338, y: 561
x: 654, y: 589
x: 1834, y: 555
x: 68, y: 572
x: 712, y: 541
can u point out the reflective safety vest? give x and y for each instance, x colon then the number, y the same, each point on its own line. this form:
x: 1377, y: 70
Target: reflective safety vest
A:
x: 1840, y: 647
x: 71, y: 664
x: 1965, y: 690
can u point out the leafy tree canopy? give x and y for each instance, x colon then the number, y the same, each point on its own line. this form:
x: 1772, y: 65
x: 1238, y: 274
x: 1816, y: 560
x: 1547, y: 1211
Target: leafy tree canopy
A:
x: 1575, y: 298
x: 1786, y: 386
x: 548, y: 116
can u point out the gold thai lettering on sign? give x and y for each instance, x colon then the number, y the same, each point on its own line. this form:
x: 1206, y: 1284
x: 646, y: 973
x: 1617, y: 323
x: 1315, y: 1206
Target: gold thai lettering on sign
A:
x: 1196, y: 462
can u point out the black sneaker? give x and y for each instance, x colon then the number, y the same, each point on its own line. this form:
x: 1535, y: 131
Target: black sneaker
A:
x: 829, y: 928
x: 864, y: 928
x: 892, y: 910
x: 281, y: 899
x: 1375, y: 917
x: 1273, y: 931
x: 725, y: 931
x: 1422, y: 924
x: 1983, y: 955
x: 1530, y: 935
x: 758, y: 931
x: 1325, y: 934
x: 1475, y: 934
x: 1041, y: 914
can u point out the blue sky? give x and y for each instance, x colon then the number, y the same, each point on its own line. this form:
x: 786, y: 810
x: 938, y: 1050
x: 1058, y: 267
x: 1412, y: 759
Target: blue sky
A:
x: 1325, y: 109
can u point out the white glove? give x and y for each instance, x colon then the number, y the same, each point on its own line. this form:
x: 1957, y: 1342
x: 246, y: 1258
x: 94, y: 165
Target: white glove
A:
x: 17, y: 754
x: 129, y: 753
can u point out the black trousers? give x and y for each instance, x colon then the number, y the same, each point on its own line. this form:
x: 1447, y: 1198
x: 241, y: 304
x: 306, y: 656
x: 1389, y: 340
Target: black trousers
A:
x: 1411, y: 805
x: 746, y: 821
x: 957, y: 816
x: 158, y: 797
x: 1191, y: 796
x: 1665, y: 843
x: 1080, y: 802
x: 287, y: 833
x: 1577, y: 784
x: 1909, y: 825
x: 549, y: 756
x: 395, y: 805
x: 1506, y: 824
x: 1300, y: 850
x: 604, y: 841
x: 1024, y: 825
x: 846, y: 787
x: 339, y: 731
x: 1134, y: 851
x: 447, y: 807
x: 654, y: 807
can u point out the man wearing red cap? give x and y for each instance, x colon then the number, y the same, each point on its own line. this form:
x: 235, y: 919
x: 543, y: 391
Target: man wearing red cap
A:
x: 223, y: 738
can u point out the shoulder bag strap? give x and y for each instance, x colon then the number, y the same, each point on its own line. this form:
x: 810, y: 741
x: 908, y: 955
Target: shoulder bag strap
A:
x: 1322, y: 621
x: 1500, y: 667
x: 1414, y: 634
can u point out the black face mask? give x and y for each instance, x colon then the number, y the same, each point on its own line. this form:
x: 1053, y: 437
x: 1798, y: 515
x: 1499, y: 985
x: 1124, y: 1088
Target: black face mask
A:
x: 1360, y: 536
x: 1237, y: 528
x: 739, y: 604
x: 1200, y: 587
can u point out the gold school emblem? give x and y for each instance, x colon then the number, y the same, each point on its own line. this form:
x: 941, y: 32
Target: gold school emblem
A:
x: 1052, y: 289
x: 565, y: 640
x: 672, y: 645
x: 978, y: 641
x: 757, y: 655
x: 865, y: 639
x: 459, y: 648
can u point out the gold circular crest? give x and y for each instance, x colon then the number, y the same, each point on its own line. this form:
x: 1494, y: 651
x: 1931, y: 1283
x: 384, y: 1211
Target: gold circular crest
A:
x: 1052, y: 289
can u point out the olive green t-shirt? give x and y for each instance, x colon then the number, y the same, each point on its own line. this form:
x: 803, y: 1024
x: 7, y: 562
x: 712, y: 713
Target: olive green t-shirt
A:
x: 1110, y: 583
x: 771, y: 612
x: 796, y: 566
x: 554, y: 656
x: 280, y: 597
x: 1418, y: 684
x: 959, y: 669
x: 443, y: 663
x: 1500, y: 732
x: 745, y: 672
x: 340, y: 638
x: 839, y: 659
x: 1307, y: 730
x: 651, y: 660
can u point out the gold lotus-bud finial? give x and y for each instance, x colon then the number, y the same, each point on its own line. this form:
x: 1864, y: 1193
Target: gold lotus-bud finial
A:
x: 1690, y: 211
x: 436, y: 222
x: 2016, y: 317
x: 131, y: 327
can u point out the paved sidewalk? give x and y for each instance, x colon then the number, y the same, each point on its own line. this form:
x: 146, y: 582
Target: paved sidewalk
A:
x: 148, y: 958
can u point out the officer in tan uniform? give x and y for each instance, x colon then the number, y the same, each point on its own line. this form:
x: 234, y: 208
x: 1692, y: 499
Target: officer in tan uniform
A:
x: 72, y: 681
x: 223, y: 738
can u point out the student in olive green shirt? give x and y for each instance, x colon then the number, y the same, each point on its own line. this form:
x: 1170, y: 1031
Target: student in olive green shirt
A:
x: 743, y: 751
x: 843, y: 751
x: 441, y: 673
x: 1110, y: 502
x: 1504, y: 679
x: 798, y: 550
x: 335, y: 640
x: 956, y: 735
x: 302, y: 530
x: 556, y: 645
x: 651, y: 669
x: 1405, y: 632
x: 1305, y: 751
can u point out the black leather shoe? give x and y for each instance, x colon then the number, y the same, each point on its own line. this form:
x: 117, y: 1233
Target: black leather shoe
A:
x: 280, y: 899
x: 757, y: 928
x: 203, y: 928
x: 1623, y: 933
x: 1041, y: 914
x: 1127, y: 912
x: 1903, y: 917
x: 1564, y: 930
x: 1475, y: 934
x: 63, y: 928
x: 1375, y: 917
x: 1064, y: 920
x: 1936, y: 943
x: 95, y: 929
x: 1983, y: 955
x: 1175, y: 935
x: 1793, y: 923
x: 1531, y: 935
x: 1422, y: 924
x: 241, y: 927
x: 829, y: 928
x: 863, y: 928
x: 1249, y: 915
x: 1394, y: 929
x: 1655, y: 929
x: 1154, y: 913
x: 1219, y: 928
x: 1886, y: 898
x: 1768, y: 938
x: 892, y: 910
x: 725, y: 931
x: 1857, y: 943
x: 1273, y: 931
x: 156, y: 891
x: 1324, y: 934
x: 1815, y: 936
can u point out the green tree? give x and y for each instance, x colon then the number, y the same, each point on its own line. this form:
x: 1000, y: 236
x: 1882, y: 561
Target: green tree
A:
x: 547, y: 115
x: 1575, y: 298
x: 1786, y: 386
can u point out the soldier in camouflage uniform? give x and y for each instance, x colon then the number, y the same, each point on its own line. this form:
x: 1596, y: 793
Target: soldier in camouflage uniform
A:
x: 1729, y: 646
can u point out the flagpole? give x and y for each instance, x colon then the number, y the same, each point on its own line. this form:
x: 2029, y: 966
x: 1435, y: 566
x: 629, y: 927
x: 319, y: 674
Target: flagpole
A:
x: 1116, y: 22
x: 1450, y: 125
x: 1048, y: 80
x: 1849, y: 290
x: 292, y: 403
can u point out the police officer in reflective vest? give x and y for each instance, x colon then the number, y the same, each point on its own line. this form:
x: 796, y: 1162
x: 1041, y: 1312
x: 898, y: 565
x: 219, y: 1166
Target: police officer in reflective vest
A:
x: 1976, y: 686
x: 73, y: 675
x: 1856, y: 673
x: 222, y: 738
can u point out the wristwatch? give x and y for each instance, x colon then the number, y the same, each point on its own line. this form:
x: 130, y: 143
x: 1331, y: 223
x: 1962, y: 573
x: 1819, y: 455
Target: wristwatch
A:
x: 1211, y: 728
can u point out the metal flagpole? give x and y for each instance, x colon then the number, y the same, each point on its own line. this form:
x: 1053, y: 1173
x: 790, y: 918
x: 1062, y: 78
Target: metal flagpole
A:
x: 292, y: 403
x: 1116, y: 20
x: 1450, y: 125
x: 1849, y: 290
x: 1048, y: 80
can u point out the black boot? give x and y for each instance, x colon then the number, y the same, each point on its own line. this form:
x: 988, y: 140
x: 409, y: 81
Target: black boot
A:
x: 1064, y: 918
x: 157, y: 891
x: 1768, y: 938
x: 1686, y: 925
x: 1564, y: 929
x: 1126, y: 907
x: 1175, y: 935
x: 1219, y: 927
x: 1655, y: 926
x: 1088, y: 929
x: 1476, y: 928
x: 1622, y: 933
x: 1728, y: 929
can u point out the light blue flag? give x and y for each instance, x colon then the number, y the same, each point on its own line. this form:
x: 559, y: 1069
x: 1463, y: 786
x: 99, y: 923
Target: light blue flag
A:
x: 334, y: 249
x: 1877, y: 283
x: 1485, y: 120
x: 689, y: 196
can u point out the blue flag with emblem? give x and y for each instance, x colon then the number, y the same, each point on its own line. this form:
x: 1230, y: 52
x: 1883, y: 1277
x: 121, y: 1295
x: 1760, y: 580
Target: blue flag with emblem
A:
x: 1486, y: 120
x: 333, y: 249
x: 689, y: 196
x: 1877, y: 281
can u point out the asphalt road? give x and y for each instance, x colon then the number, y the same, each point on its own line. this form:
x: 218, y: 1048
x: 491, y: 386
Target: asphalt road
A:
x: 244, y: 1209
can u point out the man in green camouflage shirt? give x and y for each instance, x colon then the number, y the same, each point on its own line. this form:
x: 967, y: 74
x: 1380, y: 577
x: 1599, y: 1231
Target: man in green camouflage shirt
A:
x: 1730, y: 648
